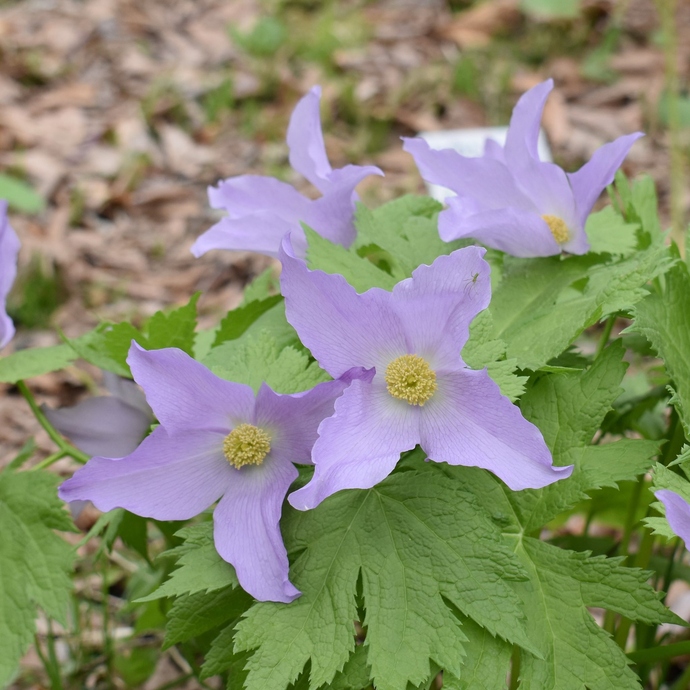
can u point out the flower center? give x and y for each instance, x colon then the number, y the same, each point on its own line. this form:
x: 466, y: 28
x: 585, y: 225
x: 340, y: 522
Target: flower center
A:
x: 558, y: 228
x: 246, y: 445
x: 410, y: 378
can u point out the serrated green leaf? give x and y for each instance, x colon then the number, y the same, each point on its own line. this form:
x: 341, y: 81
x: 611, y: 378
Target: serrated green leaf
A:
x: 568, y: 408
x: 24, y: 364
x: 578, y: 654
x: 222, y: 658
x: 487, y: 662
x: 483, y: 350
x: 265, y: 285
x: 197, y: 613
x: 407, y: 229
x: 361, y: 273
x: 356, y: 673
x: 237, y: 321
x: 174, y: 328
x: 255, y: 360
x: 107, y: 347
x: 419, y: 540
x: 19, y: 195
x: 663, y: 319
x: 199, y: 567
x: 608, y: 233
x: 538, y: 313
x: 35, y: 563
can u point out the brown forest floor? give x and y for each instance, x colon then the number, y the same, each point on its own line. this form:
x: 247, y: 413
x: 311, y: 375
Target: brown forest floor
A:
x: 121, y: 113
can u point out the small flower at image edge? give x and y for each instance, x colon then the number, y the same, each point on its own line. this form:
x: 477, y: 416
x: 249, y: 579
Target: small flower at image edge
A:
x: 421, y: 391
x: 509, y: 199
x: 261, y: 210
x: 677, y: 513
x: 216, y: 440
x: 9, y: 250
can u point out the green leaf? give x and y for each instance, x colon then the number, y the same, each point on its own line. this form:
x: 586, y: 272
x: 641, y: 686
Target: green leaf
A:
x: 107, y: 347
x: 542, y: 305
x: 419, y: 541
x: 547, y: 9
x: 239, y: 320
x: 255, y: 360
x: 265, y: 285
x: 356, y: 673
x: 174, y: 328
x: 577, y: 653
x: 222, y: 658
x: 663, y: 320
x: 568, y: 408
x: 608, y: 233
x: 483, y: 350
x: 200, y: 568
x: 24, y: 364
x: 35, y: 563
x: 361, y: 273
x: 407, y: 229
x: 19, y: 195
x: 194, y: 614
x: 486, y: 663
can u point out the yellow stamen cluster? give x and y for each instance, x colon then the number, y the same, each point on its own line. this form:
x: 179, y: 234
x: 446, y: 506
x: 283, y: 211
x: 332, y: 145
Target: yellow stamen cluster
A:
x: 558, y: 228
x: 410, y: 378
x: 246, y: 445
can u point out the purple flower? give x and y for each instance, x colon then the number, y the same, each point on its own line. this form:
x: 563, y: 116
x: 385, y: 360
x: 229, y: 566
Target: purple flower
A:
x: 261, y: 210
x: 421, y: 391
x: 216, y: 440
x: 509, y: 199
x: 9, y: 250
x: 111, y: 426
x: 677, y: 513
x: 108, y: 425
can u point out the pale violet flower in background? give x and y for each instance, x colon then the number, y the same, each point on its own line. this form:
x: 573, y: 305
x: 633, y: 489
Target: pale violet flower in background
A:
x: 9, y: 250
x: 511, y: 200
x: 261, y: 210
x: 108, y: 425
x: 111, y: 426
x: 421, y: 391
x: 677, y: 513
x: 216, y: 440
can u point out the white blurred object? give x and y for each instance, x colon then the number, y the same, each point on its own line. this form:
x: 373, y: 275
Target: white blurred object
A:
x: 470, y: 143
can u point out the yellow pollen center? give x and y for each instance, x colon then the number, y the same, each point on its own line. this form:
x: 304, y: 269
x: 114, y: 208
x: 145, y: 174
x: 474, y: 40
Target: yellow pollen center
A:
x: 246, y: 445
x: 410, y: 378
x: 558, y: 228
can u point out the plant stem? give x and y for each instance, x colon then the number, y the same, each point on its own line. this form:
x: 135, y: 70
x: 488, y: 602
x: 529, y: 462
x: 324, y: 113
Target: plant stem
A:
x: 515, y: 669
x: 47, y: 462
x: 603, y: 341
x: 683, y: 682
x: 641, y: 561
x: 54, y: 434
x: 660, y: 653
x: 56, y: 681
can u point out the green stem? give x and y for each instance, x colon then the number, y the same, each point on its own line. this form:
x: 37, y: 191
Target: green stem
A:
x: 641, y: 561
x: 47, y: 462
x: 515, y: 669
x: 54, y: 434
x: 56, y: 681
x: 630, y: 517
x: 660, y: 653
x: 668, y: 575
x: 603, y: 341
